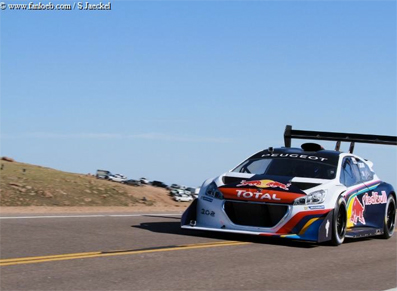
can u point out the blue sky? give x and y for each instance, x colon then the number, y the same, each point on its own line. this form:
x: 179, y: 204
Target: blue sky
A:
x: 181, y: 91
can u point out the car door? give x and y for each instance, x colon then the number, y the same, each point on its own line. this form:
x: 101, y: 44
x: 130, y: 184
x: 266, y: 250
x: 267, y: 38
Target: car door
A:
x: 350, y: 177
x: 375, y: 198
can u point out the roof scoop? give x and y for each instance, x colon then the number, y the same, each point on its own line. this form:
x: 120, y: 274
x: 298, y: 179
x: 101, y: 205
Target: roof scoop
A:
x: 311, y: 147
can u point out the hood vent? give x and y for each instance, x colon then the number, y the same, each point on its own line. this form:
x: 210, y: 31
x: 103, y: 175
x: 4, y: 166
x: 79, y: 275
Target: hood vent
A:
x: 304, y: 186
x: 232, y: 180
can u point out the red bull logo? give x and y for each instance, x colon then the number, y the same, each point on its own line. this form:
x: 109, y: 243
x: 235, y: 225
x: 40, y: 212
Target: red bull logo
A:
x: 357, y: 212
x: 264, y: 184
x: 375, y: 198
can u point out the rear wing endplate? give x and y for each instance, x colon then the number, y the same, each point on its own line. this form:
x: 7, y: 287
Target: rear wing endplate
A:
x: 339, y: 137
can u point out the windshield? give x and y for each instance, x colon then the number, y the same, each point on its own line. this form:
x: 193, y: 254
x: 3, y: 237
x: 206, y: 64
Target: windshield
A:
x: 287, y: 167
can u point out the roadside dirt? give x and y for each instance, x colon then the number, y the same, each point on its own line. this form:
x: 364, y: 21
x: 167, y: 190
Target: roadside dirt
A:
x: 26, y: 188
x: 91, y: 209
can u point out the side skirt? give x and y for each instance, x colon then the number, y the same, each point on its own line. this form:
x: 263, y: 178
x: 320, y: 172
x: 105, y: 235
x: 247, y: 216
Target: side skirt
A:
x: 363, y: 232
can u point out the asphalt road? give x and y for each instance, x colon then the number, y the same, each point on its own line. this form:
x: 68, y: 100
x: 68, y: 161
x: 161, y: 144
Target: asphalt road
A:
x: 151, y: 252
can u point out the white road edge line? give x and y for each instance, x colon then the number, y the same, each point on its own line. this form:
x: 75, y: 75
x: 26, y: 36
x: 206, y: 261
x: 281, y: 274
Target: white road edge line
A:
x: 89, y: 216
x: 393, y: 289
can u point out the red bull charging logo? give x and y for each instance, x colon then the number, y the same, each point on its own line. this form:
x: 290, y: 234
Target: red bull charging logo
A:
x: 265, y: 184
x: 357, y: 212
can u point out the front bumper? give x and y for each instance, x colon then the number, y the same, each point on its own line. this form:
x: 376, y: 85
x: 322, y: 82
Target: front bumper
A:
x: 285, y: 221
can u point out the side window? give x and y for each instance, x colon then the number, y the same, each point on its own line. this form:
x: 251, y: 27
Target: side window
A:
x: 356, y: 171
x: 365, y: 172
x: 350, y: 174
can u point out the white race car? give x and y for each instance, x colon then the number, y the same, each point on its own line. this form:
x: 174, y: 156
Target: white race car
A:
x: 304, y: 193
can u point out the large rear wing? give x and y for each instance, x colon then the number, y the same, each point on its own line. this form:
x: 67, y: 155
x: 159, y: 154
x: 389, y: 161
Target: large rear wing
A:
x: 290, y: 133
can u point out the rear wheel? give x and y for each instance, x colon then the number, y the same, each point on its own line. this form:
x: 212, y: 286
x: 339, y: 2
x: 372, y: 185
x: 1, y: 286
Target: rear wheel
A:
x: 390, y: 218
x: 339, y: 223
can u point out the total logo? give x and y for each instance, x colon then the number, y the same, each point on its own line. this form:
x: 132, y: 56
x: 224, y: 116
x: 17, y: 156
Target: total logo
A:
x: 264, y: 184
x: 256, y: 195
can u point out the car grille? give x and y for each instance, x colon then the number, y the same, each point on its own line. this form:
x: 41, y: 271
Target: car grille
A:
x: 255, y: 214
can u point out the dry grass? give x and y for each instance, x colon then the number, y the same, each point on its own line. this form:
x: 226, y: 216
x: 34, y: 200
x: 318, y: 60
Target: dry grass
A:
x: 29, y: 185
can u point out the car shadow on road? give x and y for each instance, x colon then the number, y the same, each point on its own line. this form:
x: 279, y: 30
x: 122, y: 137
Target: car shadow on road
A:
x: 176, y: 217
x: 175, y: 228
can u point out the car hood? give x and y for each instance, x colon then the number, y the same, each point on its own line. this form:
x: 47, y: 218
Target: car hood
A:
x: 262, y: 188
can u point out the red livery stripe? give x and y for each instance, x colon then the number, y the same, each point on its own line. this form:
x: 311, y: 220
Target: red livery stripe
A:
x: 298, y: 217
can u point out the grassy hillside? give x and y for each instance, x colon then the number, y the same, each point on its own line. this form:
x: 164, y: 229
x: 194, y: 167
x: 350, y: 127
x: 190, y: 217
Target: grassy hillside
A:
x: 29, y: 185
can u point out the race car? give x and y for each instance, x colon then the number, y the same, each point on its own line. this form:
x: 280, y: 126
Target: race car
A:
x: 306, y: 193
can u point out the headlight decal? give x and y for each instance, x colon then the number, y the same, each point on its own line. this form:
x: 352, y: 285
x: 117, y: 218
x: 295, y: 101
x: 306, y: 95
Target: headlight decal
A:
x: 213, y: 191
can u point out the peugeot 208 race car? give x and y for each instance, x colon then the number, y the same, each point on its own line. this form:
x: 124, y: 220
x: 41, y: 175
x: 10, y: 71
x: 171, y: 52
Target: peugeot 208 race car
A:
x: 303, y: 193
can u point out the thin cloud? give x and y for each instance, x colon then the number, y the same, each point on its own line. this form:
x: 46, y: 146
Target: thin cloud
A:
x: 147, y: 136
x: 166, y: 137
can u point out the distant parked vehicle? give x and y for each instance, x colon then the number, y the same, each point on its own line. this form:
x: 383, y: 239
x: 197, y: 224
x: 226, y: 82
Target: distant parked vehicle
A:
x: 144, y: 180
x: 176, y: 192
x: 183, y: 198
x: 159, y: 184
x: 196, y: 192
x: 132, y: 182
x: 117, y: 178
x: 102, y: 174
x: 174, y: 186
x: 191, y: 190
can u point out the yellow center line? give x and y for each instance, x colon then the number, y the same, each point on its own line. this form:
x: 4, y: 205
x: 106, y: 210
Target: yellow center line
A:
x: 47, y: 257
x: 42, y: 259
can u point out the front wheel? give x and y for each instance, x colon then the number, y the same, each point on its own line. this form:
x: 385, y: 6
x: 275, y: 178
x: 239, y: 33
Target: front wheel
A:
x: 390, y: 218
x: 339, y: 222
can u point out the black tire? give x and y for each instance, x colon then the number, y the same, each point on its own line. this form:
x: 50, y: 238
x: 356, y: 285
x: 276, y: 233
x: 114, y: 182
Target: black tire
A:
x: 390, y: 218
x: 339, y: 222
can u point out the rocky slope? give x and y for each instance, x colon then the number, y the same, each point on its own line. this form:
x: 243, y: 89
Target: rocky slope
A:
x: 30, y: 185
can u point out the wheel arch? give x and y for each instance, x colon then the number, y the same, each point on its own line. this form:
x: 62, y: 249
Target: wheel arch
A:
x: 392, y: 193
x: 340, y: 205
